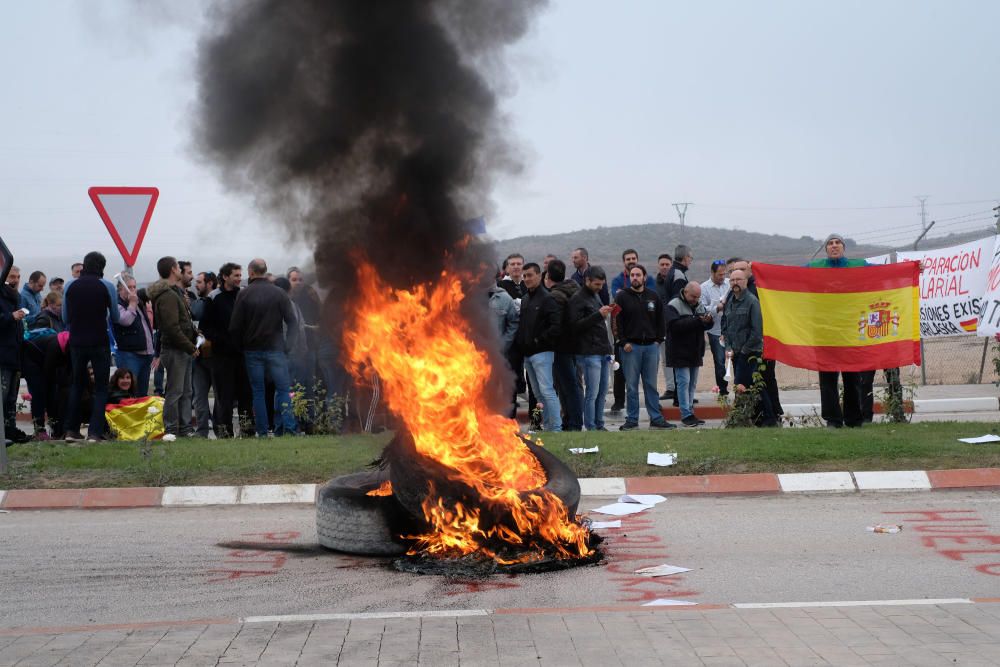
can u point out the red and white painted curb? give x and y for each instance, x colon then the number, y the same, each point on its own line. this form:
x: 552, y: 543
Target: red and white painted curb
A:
x: 749, y: 484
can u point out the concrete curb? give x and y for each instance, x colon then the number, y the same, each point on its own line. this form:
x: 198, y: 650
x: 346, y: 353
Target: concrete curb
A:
x: 305, y: 494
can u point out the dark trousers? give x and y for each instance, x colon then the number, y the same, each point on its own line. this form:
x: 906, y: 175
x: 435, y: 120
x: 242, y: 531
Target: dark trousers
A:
x: 866, y: 385
x: 10, y: 382
x: 719, y: 357
x: 232, y: 390
x: 568, y: 390
x: 99, y: 358
x: 34, y: 375
x: 771, y: 386
x: 743, y: 370
x: 619, y: 382
x: 829, y: 397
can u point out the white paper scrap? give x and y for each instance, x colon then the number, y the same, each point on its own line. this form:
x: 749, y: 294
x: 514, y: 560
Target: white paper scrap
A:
x: 581, y: 450
x: 662, y: 602
x: 621, y: 509
x: 597, y: 525
x: 661, y: 570
x: 650, y: 499
x: 981, y: 439
x: 659, y: 459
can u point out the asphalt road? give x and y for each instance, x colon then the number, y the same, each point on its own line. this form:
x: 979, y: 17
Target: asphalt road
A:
x: 128, y: 566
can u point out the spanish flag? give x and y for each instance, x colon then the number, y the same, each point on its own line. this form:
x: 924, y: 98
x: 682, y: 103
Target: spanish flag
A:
x: 136, y: 418
x: 841, y: 319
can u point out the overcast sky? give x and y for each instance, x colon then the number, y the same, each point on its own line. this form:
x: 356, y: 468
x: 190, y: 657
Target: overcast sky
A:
x: 794, y: 117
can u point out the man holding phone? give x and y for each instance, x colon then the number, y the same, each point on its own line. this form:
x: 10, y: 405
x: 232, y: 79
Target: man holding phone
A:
x: 587, y: 318
x: 640, y: 330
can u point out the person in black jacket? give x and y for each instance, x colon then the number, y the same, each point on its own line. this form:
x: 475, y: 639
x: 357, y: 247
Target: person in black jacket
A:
x: 564, y: 369
x: 537, y: 337
x: 259, y: 316
x: 587, y: 320
x: 640, y: 331
x: 134, y: 336
x: 229, y: 373
x: 687, y: 321
x: 11, y: 341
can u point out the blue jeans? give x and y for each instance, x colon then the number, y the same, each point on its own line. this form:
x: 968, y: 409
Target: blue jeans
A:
x: 138, y: 365
x: 687, y: 381
x: 594, y: 369
x: 642, y: 362
x: 564, y: 371
x: 99, y: 358
x: 261, y: 366
x: 719, y: 357
x: 539, y: 367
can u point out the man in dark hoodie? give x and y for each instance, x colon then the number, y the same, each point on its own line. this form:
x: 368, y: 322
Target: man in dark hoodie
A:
x: 564, y: 367
x: 11, y: 340
x: 259, y: 316
x: 87, y: 304
x: 587, y: 320
x: 229, y: 372
x: 537, y: 338
x: 177, y: 345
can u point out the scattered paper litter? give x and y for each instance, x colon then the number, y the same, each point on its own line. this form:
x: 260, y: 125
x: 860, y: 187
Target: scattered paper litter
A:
x: 621, y: 509
x: 581, y: 450
x: 663, y: 602
x: 660, y: 459
x: 661, y: 570
x: 981, y: 439
x: 597, y: 525
x: 651, y: 499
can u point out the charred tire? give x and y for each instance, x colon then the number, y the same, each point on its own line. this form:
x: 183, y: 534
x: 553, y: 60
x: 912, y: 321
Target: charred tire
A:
x: 410, y: 477
x: 348, y: 520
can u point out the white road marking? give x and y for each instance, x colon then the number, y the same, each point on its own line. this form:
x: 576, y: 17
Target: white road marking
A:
x: 849, y: 603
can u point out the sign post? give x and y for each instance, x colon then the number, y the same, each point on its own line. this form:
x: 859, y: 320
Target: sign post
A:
x: 126, y: 213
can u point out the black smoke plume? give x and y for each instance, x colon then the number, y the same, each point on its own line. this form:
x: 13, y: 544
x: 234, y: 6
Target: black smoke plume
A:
x: 365, y: 126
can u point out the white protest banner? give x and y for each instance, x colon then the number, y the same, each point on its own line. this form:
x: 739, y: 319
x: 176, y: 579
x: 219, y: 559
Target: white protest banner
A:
x: 952, y: 286
x: 989, y: 317
x: 879, y: 260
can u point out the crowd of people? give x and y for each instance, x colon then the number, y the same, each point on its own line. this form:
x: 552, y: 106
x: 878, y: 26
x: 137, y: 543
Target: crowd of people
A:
x: 191, y: 335
x: 564, y: 334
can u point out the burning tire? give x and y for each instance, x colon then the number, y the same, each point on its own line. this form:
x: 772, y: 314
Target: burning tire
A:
x: 410, y: 477
x: 349, y: 520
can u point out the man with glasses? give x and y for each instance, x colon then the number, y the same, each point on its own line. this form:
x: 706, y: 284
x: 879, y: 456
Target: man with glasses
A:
x: 743, y: 332
x: 713, y: 294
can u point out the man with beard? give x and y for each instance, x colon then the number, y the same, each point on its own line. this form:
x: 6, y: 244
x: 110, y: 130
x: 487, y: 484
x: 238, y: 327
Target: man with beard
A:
x: 770, y: 377
x: 587, y: 319
x: 564, y: 369
x: 686, y: 322
x: 640, y: 330
x: 630, y: 258
x: 537, y: 337
x: 664, y: 263
x: 229, y: 376
x: 743, y: 333
x: 31, y: 294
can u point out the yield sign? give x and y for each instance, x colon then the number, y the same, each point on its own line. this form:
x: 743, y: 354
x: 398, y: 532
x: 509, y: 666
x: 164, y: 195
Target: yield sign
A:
x: 126, y: 213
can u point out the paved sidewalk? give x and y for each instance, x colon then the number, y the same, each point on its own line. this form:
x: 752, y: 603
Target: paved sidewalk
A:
x: 954, y: 634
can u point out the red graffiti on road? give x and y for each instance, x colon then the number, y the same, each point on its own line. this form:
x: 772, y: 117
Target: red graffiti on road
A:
x: 254, y: 562
x: 478, y: 585
x: 634, y: 548
x: 944, y: 530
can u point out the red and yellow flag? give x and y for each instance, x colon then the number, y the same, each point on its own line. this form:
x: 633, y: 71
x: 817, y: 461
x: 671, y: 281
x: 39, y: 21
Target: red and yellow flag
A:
x: 841, y: 319
x: 136, y: 418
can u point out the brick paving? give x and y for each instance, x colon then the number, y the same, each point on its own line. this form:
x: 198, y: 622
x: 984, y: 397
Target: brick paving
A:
x: 873, y: 635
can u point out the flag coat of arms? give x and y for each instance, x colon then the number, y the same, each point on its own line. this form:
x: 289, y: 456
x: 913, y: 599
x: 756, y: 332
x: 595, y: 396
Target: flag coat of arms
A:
x: 841, y: 319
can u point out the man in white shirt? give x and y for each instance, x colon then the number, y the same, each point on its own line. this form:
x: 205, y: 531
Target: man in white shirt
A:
x: 713, y: 293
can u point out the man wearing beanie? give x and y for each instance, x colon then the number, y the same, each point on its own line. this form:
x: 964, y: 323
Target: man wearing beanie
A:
x: 829, y: 396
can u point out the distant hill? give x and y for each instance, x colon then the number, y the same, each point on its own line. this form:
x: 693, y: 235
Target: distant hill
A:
x: 605, y: 245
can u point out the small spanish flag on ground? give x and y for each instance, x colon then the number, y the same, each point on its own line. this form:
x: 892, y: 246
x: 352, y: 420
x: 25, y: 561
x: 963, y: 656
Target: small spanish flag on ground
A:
x: 136, y: 418
x: 841, y: 319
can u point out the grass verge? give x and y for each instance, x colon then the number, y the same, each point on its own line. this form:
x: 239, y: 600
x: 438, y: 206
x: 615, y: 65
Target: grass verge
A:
x: 924, y: 446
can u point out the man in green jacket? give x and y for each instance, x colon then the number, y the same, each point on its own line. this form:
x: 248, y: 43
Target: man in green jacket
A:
x: 177, y: 343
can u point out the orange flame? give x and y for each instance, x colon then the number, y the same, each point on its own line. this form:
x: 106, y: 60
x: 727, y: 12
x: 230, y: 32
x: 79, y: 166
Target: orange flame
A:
x: 384, y: 489
x: 434, y: 378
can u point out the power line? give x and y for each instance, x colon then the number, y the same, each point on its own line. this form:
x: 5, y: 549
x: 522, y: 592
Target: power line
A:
x: 841, y: 208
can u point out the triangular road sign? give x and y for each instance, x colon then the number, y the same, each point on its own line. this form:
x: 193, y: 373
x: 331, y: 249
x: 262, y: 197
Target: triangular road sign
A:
x: 126, y: 213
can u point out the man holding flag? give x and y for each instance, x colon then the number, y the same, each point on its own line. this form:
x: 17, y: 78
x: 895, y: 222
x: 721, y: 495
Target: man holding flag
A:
x: 825, y: 319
